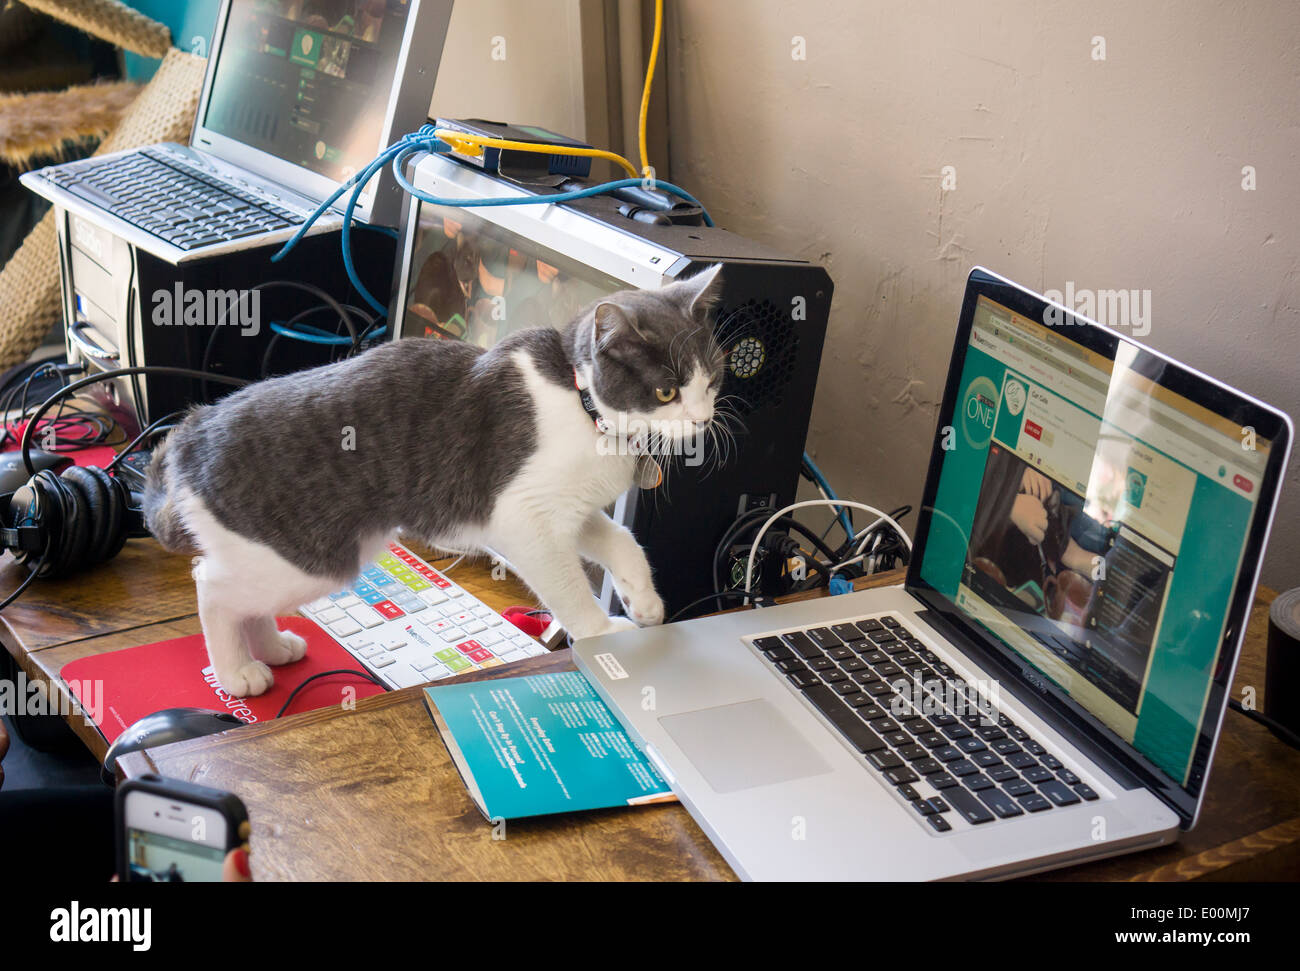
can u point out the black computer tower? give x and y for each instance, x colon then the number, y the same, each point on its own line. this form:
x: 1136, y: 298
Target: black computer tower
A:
x: 124, y: 307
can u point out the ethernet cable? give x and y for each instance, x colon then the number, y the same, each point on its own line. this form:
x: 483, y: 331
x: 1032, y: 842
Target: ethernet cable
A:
x: 649, y: 84
x: 427, y: 140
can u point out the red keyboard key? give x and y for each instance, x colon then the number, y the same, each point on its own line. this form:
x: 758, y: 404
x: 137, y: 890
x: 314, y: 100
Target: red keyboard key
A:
x: 469, y: 647
x: 481, y: 655
x: 390, y: 610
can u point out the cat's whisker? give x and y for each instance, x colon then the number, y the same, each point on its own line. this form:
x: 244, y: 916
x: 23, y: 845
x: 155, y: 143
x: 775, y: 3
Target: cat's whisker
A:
x: 731, y: 329
x: 723, y: 434
x: 724, y: 417
x: 710, y: 463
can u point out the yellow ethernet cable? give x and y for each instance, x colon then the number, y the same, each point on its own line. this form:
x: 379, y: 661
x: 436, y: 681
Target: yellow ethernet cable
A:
x: 466, y: 143
x: 649, y: 83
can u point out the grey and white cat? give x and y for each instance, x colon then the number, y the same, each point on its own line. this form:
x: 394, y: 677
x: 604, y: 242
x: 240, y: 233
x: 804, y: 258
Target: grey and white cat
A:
x: 465, y: 448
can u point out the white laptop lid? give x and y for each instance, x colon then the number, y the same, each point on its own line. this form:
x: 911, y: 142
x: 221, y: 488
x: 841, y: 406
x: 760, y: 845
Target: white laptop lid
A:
x: 307, y: 92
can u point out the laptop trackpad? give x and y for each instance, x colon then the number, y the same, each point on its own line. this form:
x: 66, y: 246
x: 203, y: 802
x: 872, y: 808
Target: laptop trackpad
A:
x: 743, y: 746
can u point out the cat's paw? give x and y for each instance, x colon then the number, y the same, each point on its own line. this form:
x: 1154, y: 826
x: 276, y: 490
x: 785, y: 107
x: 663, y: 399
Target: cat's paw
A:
x: 644, y: 607
x: 284, y: 647
x: 251, y: 680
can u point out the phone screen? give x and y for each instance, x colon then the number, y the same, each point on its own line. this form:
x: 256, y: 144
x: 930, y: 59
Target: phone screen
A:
x: 154, y: 858
x: 170, y: 841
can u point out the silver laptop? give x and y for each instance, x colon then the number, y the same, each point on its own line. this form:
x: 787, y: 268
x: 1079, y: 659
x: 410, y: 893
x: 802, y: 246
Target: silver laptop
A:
x: 1048, y: 685
x: 299, y: 95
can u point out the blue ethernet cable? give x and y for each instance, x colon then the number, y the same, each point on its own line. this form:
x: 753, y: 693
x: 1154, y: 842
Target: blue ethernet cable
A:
x: 317, y: 335
x: 830, y: 493
x: 425, y: 140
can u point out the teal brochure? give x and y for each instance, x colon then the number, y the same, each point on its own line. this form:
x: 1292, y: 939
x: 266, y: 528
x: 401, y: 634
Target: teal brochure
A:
x: 541, y: 744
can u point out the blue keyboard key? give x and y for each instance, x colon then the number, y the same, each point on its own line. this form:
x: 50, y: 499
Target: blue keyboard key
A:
x: 373, y: 597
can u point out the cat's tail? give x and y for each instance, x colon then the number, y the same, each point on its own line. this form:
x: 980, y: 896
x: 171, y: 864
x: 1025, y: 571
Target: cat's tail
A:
x: 160, y: 514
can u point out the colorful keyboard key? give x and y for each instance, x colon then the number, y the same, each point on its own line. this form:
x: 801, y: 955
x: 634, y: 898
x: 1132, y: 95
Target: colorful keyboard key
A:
x: 389, y: 609
x: 410, y: 624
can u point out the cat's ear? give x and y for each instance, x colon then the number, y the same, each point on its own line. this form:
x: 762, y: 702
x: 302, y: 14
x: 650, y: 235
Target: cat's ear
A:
x: 610, y: 321
x: 704, y: 292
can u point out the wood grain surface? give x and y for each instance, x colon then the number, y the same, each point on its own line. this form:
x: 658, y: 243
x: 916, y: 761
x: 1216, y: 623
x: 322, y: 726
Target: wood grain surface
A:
x: 371, y: 794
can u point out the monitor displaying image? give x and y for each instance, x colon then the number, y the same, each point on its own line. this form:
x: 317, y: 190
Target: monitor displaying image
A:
x: 471, y: 280
x: 308, y: 81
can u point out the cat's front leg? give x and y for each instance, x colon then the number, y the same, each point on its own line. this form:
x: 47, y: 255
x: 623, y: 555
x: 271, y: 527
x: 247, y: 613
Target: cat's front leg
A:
x: 553, y: 569
x: 268, y: 643
x: 616, y: 549
x: 237, y: 671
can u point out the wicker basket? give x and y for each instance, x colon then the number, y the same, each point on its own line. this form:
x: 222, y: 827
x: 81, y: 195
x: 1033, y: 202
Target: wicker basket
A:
x: 111, y: 21
x: 29, y: 284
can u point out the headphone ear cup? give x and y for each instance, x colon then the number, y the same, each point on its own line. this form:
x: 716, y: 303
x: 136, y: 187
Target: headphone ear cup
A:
x: 76, y: 535
x: 28, y: 506
x: 97, y: 490
x: 118, y: 518
x: 51, y: 508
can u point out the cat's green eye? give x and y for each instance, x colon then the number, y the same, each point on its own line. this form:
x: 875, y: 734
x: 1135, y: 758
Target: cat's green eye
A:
x: 665, y: 394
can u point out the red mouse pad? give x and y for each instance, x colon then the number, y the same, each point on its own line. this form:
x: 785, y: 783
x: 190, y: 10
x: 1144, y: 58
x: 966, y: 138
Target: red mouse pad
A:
x: 120, y: 688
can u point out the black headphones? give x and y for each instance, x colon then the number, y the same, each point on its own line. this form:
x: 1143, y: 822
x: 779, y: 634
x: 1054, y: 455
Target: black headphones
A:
x: 62, y: 523
x: 68, y: 522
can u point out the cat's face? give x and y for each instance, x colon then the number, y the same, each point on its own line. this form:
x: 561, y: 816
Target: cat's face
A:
x: 655, y: 363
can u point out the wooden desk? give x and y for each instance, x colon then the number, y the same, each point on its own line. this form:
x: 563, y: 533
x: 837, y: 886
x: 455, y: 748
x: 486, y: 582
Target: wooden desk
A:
x: 371, y: 794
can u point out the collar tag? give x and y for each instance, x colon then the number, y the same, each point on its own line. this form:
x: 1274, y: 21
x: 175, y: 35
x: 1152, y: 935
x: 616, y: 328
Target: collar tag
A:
x: 648, y: 473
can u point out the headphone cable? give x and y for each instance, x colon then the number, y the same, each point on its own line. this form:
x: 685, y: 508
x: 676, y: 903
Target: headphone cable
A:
x: 35, y: 572
x: 76, y: 386
x: 153, y: 427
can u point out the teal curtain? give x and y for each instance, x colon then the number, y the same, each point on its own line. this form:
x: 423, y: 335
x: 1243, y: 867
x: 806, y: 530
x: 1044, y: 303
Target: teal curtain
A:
x: 190, y: 22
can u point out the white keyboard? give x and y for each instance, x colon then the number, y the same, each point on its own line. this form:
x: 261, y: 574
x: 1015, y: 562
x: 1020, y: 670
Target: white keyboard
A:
x: 409, y: 624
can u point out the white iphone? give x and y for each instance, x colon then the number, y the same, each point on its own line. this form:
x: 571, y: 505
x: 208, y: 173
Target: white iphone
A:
x: 175, y: 832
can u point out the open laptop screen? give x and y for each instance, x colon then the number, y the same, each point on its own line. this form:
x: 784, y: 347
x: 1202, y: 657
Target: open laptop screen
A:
x: 1095, y: 522
x: 308, y: 81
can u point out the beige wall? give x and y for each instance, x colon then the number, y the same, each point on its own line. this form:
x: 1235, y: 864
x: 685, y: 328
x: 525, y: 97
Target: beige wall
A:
x: 540, y: 79
x: 1122, y: 173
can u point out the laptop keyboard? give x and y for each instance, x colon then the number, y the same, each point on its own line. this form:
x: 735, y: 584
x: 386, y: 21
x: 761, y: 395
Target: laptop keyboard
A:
x: 928, y: 733
x: 171, y: 198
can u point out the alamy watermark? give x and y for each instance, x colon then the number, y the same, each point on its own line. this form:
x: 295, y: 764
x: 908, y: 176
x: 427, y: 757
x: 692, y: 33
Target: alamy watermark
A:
x: 32, y: 696
x: 76, y: 924
x: 1126, y: 309
x: 640, y: 436
x: 182, y: 307
x: 937, y: 697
